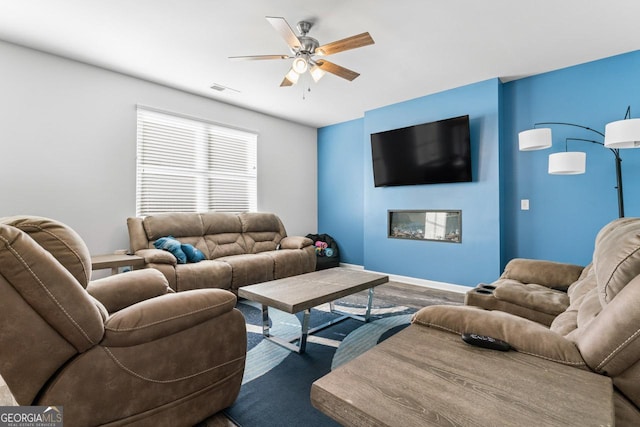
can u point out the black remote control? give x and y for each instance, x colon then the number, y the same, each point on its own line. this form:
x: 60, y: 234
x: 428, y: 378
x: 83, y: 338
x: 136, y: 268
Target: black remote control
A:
x: 485, y: 342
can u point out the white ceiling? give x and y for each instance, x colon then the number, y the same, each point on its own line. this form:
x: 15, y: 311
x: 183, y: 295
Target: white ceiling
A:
x: 421, y: 46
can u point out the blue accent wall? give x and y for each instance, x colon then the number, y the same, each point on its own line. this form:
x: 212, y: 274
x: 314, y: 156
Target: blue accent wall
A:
x: 341, y: 188
x: 343, y: 153
x: 565, y: 212
x: 478, y: 256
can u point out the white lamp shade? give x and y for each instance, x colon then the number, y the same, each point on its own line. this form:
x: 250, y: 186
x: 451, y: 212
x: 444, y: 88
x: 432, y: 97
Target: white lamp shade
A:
x: 622, y: 134
x: 534, y: 139
x: 567, y: 163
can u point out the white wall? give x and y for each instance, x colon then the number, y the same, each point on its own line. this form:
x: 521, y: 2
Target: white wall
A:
x: 68, y: 146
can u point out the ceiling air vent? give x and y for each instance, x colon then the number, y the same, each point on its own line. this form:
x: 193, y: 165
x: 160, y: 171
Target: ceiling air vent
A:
x: 222, y: 88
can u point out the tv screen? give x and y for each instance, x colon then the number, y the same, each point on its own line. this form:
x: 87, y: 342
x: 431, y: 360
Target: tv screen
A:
x: 430, y: 153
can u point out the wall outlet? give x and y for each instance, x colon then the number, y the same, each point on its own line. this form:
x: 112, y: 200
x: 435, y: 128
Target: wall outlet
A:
x: 524, y: 204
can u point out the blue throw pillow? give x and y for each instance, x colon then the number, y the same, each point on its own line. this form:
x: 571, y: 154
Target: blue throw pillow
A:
x: 172, y: 245
x: 193, y: 254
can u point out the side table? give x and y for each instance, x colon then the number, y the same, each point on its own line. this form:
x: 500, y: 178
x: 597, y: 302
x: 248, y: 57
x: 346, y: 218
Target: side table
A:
x: 115, y: 261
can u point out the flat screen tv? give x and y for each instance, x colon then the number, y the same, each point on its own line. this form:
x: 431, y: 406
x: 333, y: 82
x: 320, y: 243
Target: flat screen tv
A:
x: 430, y: 153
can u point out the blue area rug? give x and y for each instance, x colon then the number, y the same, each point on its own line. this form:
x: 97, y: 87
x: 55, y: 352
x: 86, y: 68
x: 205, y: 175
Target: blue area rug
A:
x: 277, y: 382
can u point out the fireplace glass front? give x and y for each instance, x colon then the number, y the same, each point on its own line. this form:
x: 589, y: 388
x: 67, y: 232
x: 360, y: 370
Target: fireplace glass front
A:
x: 437, y: 225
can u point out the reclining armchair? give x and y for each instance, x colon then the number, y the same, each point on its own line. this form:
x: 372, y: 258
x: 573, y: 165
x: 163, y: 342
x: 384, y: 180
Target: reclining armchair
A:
x: 536, y: 289
x: 529, y: 288
x: 121, y: 350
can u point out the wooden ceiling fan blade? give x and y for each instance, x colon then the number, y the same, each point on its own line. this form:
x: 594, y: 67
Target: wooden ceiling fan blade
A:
x: 286, y: 82
x: 284, y: 29
x: 352, y: 42
x: 259, y: 57
x: 339, y: 71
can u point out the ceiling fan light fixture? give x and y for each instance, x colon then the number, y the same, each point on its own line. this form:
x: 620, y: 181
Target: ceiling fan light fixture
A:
x: 292, y: 76
x: 317, y: 73
x: 300, y: 65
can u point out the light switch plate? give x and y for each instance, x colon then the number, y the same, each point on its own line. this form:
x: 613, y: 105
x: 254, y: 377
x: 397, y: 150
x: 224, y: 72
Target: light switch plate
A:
x: 524, y: 204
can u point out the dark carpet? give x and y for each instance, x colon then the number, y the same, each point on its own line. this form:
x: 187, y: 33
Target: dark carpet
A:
x: 277, y: 382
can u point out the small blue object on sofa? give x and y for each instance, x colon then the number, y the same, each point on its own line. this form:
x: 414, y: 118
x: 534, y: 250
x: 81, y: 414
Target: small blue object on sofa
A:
x: 183, y: 252
x: 170, y: 244
x: 193, y: 254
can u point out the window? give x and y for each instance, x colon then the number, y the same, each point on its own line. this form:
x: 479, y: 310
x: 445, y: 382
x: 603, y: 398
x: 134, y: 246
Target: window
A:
x: 190, y: 165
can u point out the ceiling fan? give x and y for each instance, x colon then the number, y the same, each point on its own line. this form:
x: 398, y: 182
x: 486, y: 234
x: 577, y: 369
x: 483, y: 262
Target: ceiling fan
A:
x: 304, y: 50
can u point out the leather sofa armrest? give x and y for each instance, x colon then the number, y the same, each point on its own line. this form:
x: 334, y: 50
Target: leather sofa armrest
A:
x: 551, y: 274
x: 295, y: 242
x: 611, y: 342
x: 157, y: 256
x: 522, y: 334
x: 122, y: 290
x: 137, y: 235
x: 159, y: 317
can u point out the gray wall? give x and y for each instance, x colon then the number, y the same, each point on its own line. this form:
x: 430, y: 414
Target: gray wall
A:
x: 68, y: 146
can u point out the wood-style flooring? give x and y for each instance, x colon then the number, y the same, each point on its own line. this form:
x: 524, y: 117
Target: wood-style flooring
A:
x: 393, y: 292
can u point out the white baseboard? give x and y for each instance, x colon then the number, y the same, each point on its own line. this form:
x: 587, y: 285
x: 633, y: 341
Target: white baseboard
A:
x: 352, y: 266
x: 414, y: 281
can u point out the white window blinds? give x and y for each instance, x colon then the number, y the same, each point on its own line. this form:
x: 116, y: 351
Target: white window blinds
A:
x: 188, y: 165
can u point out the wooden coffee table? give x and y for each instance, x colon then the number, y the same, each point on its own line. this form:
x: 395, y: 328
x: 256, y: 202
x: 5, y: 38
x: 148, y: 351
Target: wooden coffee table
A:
x: 300, y: 293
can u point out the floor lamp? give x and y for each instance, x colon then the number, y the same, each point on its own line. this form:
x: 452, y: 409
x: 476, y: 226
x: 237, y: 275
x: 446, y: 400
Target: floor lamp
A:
x: 620, y: 134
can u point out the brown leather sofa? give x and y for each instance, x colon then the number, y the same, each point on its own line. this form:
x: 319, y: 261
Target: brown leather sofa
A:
x: 240, y: 249
x: 599, y: 330
x: 125, y: 349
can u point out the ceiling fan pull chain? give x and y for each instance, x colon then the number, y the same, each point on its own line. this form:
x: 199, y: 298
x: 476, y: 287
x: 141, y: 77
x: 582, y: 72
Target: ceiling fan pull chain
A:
x: 306, y: 86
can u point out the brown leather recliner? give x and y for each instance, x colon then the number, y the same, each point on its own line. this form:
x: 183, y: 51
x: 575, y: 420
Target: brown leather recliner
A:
x: 120, y: 350
x: 536, y: 289
x: 529, y: 288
